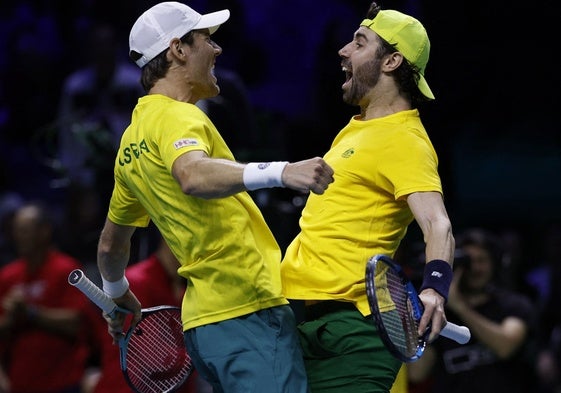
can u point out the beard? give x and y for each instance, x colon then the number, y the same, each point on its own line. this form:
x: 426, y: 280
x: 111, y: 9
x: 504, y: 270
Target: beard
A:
x: 364, y: 78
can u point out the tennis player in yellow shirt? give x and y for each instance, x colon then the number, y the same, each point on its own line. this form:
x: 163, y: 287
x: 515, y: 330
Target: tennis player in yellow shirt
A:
x: 173, y: 168
x: 386, y: 176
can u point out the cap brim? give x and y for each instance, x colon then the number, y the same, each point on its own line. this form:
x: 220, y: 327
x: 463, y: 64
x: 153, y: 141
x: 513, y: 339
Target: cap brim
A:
x: 212, y: 21
x: 424, y: 88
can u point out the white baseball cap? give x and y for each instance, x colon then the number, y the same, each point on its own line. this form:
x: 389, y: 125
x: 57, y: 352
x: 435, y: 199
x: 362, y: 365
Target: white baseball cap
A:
x: 153, y: 31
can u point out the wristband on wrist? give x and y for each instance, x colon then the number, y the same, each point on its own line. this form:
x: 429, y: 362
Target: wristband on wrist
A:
x: 115, y: 289
x: 438, y: 276
x: 258, y: 175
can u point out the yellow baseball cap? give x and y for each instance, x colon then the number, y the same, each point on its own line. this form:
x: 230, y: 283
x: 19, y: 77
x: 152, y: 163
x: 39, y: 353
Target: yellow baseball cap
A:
x: 409, y: 37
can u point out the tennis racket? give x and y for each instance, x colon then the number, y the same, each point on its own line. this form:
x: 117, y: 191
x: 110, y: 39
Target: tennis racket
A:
x: 397, y: 310
x: 152, y: 353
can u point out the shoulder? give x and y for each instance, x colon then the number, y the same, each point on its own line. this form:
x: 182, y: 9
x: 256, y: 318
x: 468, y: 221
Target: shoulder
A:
x: 171, y: 109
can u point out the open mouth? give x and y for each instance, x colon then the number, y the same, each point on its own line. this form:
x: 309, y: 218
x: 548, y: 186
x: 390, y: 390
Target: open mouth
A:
x: 348, y: 75
x: 212, y: 73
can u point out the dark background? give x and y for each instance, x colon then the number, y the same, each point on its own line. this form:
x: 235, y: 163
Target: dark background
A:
x: 493, y: 69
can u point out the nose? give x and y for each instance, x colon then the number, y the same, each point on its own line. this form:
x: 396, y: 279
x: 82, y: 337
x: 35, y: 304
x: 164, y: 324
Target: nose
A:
x: 343, y: 52
x: 217, y: 48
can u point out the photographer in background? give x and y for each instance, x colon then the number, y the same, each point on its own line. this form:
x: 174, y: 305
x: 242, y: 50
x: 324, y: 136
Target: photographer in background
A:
x: 496, y: 359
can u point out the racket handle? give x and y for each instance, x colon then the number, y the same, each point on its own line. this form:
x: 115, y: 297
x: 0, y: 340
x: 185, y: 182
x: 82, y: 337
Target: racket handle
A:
x: 78, y: 279
x: 460, y: 334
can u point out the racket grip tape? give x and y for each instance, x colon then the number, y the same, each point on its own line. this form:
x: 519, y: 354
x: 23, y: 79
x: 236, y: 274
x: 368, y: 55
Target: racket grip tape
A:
x: 460, y: 334
x: 78, y: 279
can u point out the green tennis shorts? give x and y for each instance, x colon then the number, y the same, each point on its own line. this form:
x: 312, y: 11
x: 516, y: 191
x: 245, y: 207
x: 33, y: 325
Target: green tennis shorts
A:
x: 343, y: 352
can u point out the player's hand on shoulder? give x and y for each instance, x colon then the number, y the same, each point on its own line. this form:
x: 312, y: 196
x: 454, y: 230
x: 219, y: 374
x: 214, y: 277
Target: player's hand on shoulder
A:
x: 313, y: 175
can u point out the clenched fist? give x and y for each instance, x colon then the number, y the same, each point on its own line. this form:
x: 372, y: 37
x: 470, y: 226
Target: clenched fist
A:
x: 313, y: 175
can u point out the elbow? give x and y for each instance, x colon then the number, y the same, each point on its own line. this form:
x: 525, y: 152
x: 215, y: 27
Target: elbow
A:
x: 192, y: 189
x: 188, y: 188
x: 198, y: 186
x: 190, y: 185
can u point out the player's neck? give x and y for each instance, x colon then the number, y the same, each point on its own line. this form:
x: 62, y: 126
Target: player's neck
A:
x: 383, y: 106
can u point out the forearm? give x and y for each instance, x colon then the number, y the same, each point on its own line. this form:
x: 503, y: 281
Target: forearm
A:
x: 502, y: 338
x: 431, y: 216
x: 430, y: 213
x: 439, y: 241
x: 113, y: 251
x: 60, y: 322
x: 112, y: 263
x: 204, y: 177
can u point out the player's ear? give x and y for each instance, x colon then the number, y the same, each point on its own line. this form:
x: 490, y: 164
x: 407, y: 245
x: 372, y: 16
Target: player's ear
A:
x: 176, y: 49
x: 392, y: 61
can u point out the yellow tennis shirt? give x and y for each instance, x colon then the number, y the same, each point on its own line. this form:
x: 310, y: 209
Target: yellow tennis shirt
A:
x: 377, y: 163
x: 226, y: 251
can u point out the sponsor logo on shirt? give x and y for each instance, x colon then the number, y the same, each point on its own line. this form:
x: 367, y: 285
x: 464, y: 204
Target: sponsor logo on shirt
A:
x: 347, y: 153
x: 185, y: 142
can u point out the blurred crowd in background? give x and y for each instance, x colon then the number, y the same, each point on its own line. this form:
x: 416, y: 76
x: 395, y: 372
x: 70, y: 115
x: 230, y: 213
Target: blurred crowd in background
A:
x: 67, y: 89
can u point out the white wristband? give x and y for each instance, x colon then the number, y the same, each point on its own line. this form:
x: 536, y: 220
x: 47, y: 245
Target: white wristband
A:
x: 263, y: 174
x: 115, y: 289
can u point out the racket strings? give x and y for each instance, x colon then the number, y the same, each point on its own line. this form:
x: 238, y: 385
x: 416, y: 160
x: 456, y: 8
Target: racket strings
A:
x: 401, y: 323
x: 156, y: 359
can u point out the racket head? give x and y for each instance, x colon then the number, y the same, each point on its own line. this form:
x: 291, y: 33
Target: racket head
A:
x: 153, y: 353
x: 398, y: 321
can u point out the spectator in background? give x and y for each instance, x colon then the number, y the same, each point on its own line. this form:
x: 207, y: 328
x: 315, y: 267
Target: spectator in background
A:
x: 155, y: 282
x: 496, y: 359
x: 548, y: 364
x: 94, y: 109
x: 42, y: 336
x: 9, y: 203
